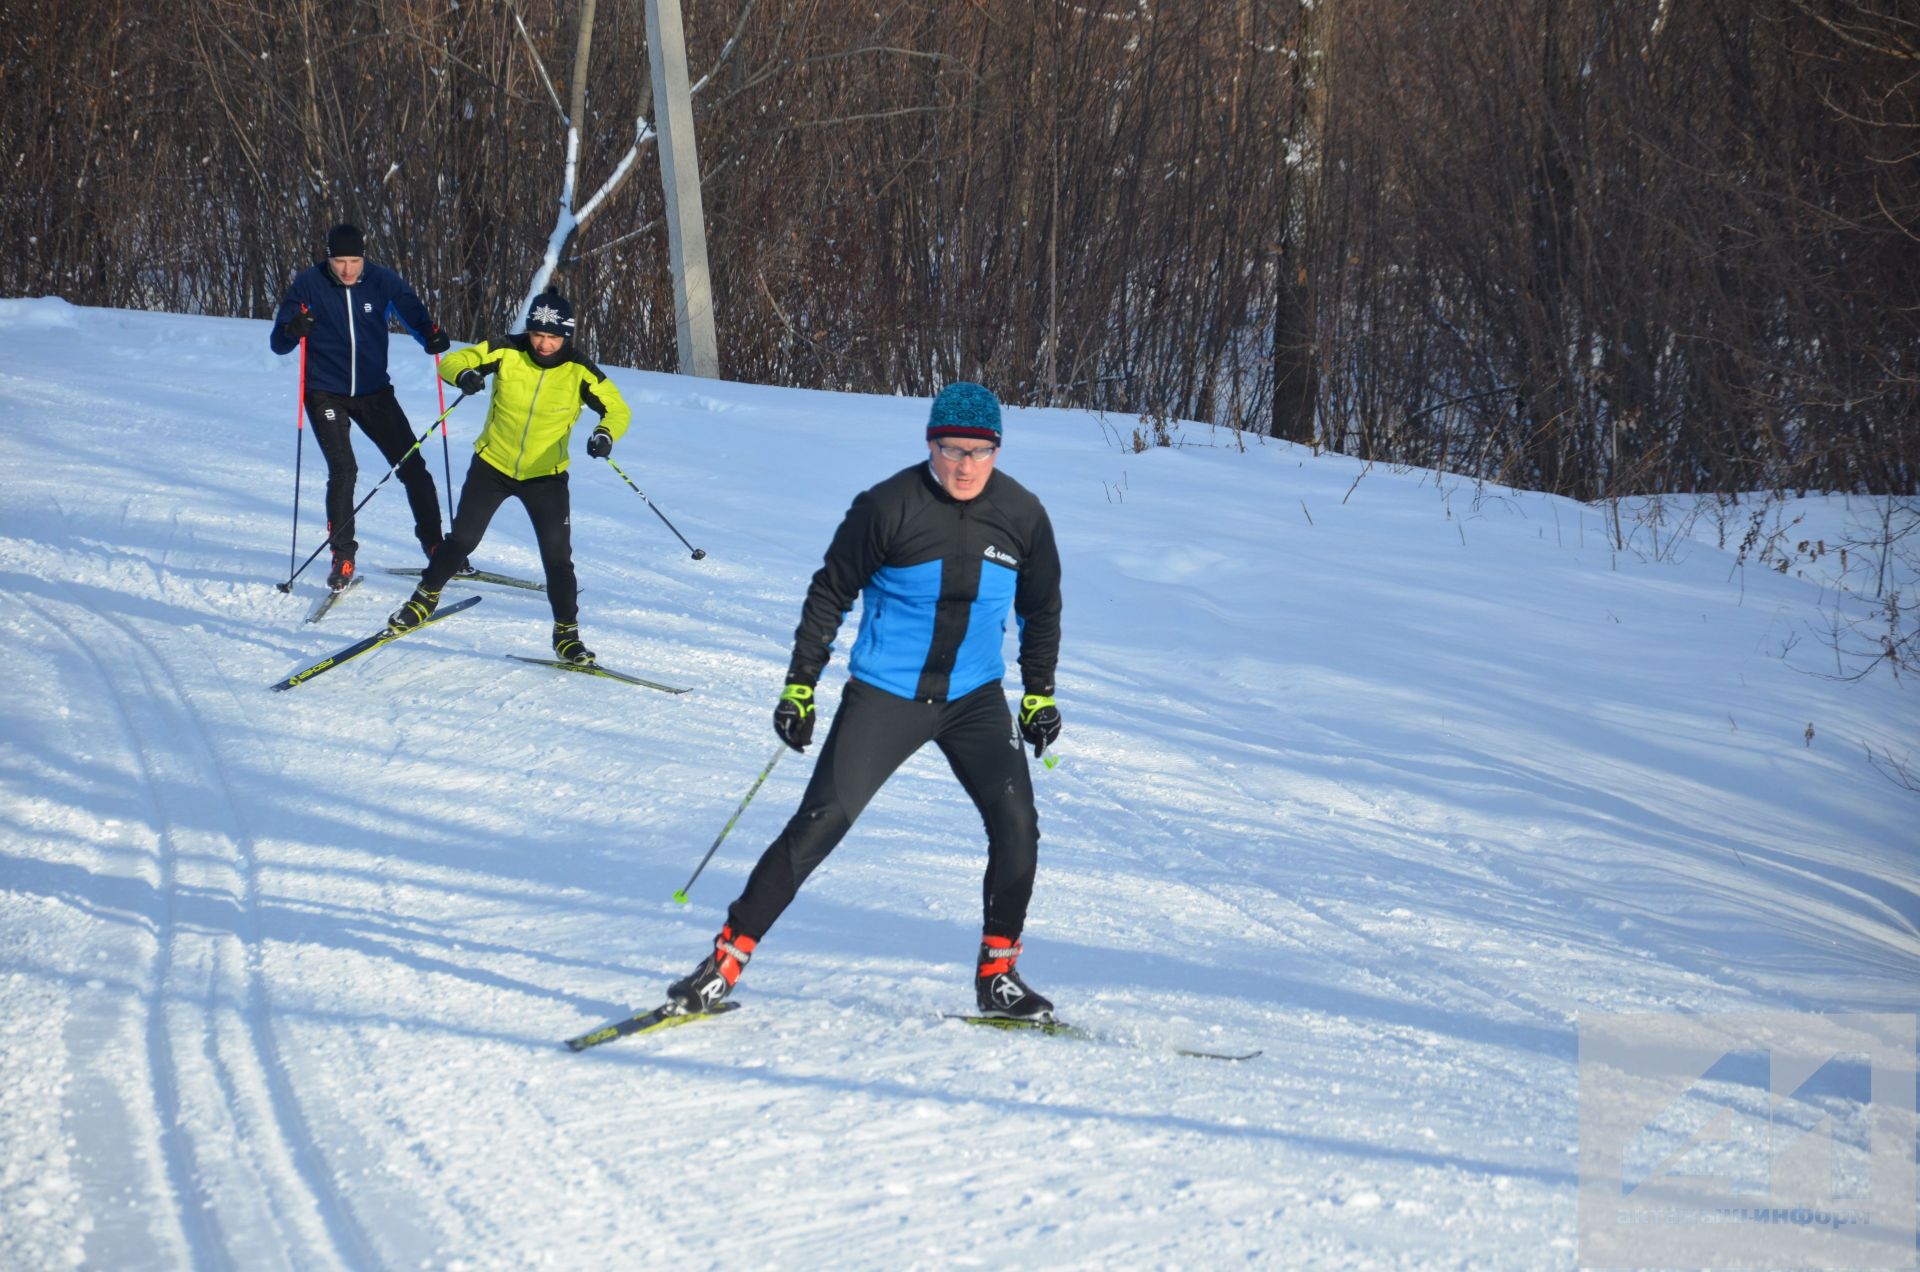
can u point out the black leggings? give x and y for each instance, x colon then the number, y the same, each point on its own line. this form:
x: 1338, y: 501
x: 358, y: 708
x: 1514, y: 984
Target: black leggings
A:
x: 873, y: 733
x: 548, y: 507
x: 381, y: 419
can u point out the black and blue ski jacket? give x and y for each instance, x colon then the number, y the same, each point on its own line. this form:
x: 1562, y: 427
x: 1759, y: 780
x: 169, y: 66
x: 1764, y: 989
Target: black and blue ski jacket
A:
x: 347, y: 349
x: 935, y: 577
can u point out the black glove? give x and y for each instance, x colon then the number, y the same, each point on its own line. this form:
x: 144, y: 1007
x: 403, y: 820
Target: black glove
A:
x: 437, y: 341
x: 1039, y: 721
x: 600, y: 445
x: 299, y: 325
x: 471, y: 382
x: 793, y: 718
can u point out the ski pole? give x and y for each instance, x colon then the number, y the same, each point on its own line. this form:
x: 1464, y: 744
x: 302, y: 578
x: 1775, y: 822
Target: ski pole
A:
x: 698, y: 553
x: 418, y: 442
x: 446, y: 449
x: 299, y: 450
x: 681, y: 896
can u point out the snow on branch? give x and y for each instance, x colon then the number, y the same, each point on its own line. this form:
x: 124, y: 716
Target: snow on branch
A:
x: 569, y: 218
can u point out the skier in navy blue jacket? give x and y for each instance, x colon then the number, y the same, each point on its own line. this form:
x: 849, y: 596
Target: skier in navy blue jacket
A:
x: 341, y: 306
x: 937, y: 554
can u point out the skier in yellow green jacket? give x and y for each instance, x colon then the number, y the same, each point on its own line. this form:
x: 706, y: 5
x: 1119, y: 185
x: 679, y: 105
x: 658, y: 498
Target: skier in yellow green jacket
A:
x: 540, y: 384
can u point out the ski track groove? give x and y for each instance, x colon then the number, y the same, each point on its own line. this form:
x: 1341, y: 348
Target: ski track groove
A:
x: 290, y: 1179
x: 292, y: 1139
x: 199, y: 1226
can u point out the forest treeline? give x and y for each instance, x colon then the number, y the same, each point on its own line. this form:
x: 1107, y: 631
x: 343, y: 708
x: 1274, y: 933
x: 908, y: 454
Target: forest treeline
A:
x: 1597, y: 247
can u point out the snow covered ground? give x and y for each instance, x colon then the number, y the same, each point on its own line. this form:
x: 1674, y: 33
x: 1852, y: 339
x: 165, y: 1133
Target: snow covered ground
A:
x: 1386, y: 777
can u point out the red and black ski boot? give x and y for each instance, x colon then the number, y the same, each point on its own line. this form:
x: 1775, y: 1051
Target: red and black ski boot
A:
x: 341, y: 576
x: 710, y: 983
x: 997, y: 987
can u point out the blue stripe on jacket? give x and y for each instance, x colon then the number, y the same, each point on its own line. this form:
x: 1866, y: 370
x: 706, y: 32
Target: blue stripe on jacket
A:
x: 897, y: 612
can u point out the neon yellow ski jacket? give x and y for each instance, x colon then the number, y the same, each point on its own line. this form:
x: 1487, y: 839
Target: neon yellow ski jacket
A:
x: 535, y: 408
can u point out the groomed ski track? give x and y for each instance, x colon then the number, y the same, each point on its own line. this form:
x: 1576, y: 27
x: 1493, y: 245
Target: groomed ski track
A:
x: 1394, y: 797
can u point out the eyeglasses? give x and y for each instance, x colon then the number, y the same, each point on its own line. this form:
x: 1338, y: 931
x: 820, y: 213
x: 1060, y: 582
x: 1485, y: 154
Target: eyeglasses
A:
x: 956, y: 454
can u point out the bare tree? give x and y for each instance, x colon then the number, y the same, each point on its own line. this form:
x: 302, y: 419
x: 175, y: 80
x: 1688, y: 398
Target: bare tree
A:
x: 1601, y: 247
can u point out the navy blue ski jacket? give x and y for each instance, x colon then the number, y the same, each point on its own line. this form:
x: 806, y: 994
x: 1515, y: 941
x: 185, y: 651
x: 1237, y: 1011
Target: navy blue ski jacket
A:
x: 935, y: 577
x: 347, y: 350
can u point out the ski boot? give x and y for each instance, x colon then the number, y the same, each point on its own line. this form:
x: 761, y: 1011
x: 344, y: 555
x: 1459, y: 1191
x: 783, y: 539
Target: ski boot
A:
x: 567, y: 646
x: 465, y: 569
x: 418, y: 609
x: 341, y: 576
x: 709, y: 984
x: 998, y: 989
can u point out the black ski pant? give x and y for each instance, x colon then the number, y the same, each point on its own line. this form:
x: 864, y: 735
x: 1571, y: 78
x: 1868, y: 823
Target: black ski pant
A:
x: 548, y: 507
x: 381, y: 419
x: 873, y: 733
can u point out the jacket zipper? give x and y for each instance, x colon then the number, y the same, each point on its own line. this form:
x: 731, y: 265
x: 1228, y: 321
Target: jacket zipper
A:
x: 353, y: 347
x: 528, y: 426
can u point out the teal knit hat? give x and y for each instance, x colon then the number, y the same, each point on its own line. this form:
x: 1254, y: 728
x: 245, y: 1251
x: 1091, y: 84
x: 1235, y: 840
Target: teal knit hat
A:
x: 965, y: 409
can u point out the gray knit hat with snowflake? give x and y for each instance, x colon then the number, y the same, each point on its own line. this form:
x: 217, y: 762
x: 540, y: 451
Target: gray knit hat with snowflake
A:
x: 550, y: 313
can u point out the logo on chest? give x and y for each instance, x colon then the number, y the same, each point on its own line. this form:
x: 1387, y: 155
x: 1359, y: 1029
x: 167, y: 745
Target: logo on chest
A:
x: 1004, y: 558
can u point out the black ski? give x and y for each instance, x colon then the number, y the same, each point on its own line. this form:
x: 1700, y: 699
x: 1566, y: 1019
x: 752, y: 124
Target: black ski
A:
x: 368, y: 645
x: 1060, y: 1029
x: 665, y: 1016
x: 325, y: 603
x: 595, y: 669
x: 476, y: 576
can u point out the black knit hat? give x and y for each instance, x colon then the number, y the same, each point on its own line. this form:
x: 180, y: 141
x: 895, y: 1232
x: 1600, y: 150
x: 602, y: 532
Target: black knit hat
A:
x: 346, y: 240
x: 551, y: 313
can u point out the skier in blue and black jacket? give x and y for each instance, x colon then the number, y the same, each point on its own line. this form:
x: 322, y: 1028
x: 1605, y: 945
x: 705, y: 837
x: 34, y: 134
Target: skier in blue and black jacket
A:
x: 340, y: 306
x: 937, y: 555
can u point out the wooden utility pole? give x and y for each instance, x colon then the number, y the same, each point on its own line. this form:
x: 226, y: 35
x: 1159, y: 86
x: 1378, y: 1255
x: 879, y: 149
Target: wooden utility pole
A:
x: 680, y: 179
